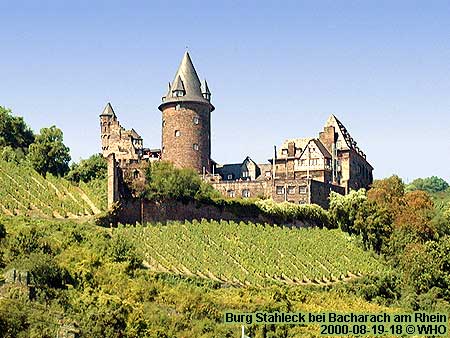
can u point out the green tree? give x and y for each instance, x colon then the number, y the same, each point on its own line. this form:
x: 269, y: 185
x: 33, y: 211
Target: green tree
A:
x: 428, y: 184
x: 88, y: 169
x: 13, y: 131
x: 344, y: 209
x: 48, y: 154
x: 167, y: 182
x: 374, y: 223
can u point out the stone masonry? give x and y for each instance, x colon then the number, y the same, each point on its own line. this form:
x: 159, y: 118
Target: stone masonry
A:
x: 301, y: 170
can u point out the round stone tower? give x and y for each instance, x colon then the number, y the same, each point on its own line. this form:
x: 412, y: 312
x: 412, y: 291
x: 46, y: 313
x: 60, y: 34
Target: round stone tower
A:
x: 186, y: 120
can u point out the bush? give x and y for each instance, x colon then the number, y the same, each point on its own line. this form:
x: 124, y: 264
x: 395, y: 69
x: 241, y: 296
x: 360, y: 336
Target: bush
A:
x: 310, y: 214
x: 343, y: 210
x: 167, y: 182
x: 95, y: 167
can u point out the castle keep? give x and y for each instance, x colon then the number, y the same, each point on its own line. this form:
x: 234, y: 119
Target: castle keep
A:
x: 302, y: 170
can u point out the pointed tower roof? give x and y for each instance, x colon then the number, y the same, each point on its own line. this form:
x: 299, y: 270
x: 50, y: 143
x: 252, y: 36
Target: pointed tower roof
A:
x: 178, y: 84
x: 108, y: 111
x: 205, y: 88
x: 169, y: 92
x: 187, y: 77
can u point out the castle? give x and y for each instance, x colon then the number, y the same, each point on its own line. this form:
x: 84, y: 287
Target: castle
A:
x: 303, y: 170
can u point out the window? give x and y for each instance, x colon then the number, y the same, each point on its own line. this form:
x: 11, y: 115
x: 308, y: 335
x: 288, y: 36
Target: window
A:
x: 196, y: 120
x: 229, y: 176
x: 195, y: 146
x: 245, y: 174
x: 178, y: 107
x: 284, y: 152
x: 314, y: 161
x: 302, y: 189
x: 245, y: 193
x: 291, y: 190
x: 303, y: 162
x: 177, y: 133
x: 135, y: 174
x: 164, y: 123
x: 280, y: 190
x: 178, y: 93
x: 268, y: 173
x: 231, y: 193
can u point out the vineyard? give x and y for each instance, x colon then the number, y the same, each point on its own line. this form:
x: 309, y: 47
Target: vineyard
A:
x: 24, y: 192
x: 247, y: 254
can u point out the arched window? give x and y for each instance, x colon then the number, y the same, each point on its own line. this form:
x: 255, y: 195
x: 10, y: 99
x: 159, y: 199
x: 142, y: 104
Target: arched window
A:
x: 177, y: 133
x: 136, y: 174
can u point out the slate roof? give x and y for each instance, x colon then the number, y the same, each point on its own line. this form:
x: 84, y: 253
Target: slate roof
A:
x: 108, y: 111
x: 188, y: 77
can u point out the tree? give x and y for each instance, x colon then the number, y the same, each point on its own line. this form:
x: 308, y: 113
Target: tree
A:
x: 89, y: 169
x: 13, y: 131
x: 48, y: 154
x: 416, y: 214
x: 167, y: 182
x: 388, y: 192
x: 374, y: 223
x: 344, y: 209
x: 429, y: 184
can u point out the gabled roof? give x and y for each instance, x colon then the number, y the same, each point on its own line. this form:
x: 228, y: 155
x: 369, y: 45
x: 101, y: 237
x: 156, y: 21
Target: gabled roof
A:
x: 191, y: 83
x: 135, y: 134
x: 343, y: 134
x: 298, y: 142
x: 319, y: 146
x: 108, y: 111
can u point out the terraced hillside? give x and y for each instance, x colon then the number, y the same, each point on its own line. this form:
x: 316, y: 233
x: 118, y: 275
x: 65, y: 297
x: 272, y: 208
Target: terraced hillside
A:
x: 251, y: 254
x: 24, y: 192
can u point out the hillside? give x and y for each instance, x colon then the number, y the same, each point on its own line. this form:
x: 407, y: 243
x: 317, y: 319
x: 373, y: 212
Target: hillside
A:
x: 93, y: 279
x: 251, y: 254
x: 24, y: 192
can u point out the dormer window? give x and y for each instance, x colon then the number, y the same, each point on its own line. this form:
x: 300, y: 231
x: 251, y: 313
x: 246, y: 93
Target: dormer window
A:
x: 207, y: 96
x: 178, y: 93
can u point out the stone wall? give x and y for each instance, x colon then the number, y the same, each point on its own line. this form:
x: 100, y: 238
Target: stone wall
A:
x: 186, y: 140
x: 143, y: 211
x: 243, y: 189
x: 125, y: 144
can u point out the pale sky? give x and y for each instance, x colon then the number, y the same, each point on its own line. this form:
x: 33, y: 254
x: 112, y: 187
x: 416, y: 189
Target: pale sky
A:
x: 276, y: 70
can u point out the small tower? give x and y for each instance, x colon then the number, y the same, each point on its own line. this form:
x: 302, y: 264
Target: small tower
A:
x: 186, y: 120
x: 107, y: 118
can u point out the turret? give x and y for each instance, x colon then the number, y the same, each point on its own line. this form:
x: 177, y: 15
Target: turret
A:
x: 107, y: 117
x: 186, y: 120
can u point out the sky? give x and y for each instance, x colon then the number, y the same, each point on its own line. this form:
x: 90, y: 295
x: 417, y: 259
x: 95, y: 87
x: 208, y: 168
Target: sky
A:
x: 276, y: 70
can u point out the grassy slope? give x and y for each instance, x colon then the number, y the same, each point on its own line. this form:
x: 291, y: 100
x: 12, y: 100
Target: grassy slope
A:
x: 24, y: 192
x: 249, y: 254
x: 108, y: 298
